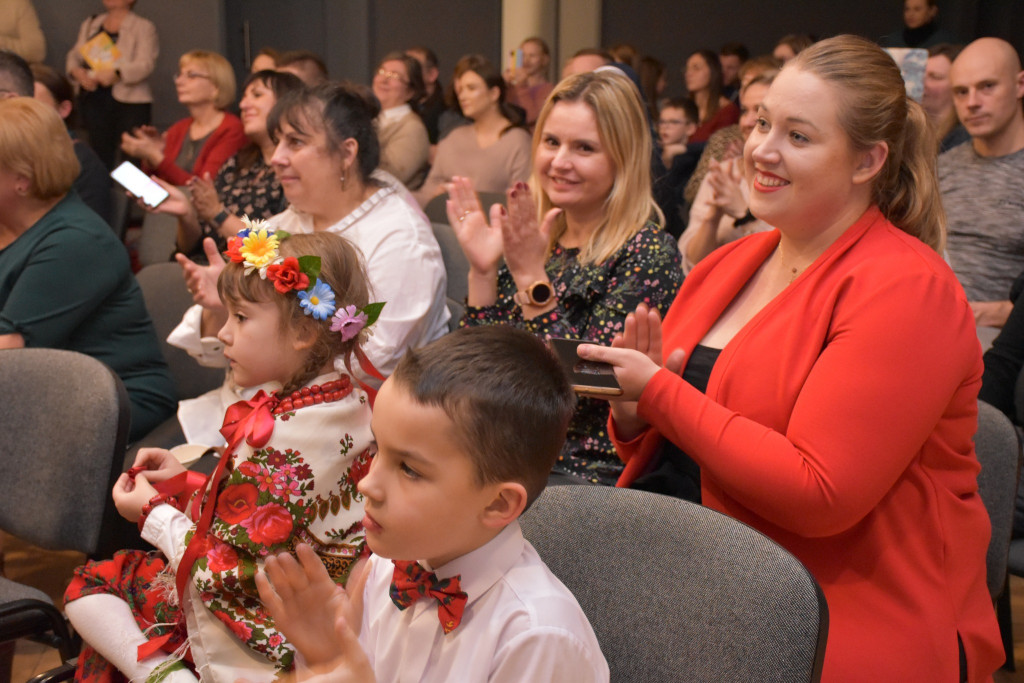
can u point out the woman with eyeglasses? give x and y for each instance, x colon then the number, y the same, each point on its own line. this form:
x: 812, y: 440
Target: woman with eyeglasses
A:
x: 200, y: 143
x: 246, y: 184
x: 404, y: 144
x: 114, y: 97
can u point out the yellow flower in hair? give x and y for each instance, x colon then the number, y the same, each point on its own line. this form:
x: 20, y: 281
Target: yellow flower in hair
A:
x: 259, y: 248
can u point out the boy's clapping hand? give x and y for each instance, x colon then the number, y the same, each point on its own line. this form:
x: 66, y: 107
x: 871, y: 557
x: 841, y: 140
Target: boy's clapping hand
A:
x: 316, y: 615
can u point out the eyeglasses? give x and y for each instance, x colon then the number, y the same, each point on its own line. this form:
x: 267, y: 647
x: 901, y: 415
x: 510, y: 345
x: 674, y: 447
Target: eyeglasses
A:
x: 671, y: 122
x: 389, y: 75
x: 191, y: 75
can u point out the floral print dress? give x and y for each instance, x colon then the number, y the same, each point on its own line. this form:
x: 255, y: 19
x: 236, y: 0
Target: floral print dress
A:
x: 300, y: 486
x: 593, y: 302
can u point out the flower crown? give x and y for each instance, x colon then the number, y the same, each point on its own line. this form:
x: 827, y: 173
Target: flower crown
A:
x: 256, y: 248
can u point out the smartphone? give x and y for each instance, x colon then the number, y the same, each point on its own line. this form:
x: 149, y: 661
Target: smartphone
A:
x: 587, y: 377
x: 131, y: 178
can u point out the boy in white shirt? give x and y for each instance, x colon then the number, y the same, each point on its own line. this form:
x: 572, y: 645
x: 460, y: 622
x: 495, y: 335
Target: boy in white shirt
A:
x: 467, y: 430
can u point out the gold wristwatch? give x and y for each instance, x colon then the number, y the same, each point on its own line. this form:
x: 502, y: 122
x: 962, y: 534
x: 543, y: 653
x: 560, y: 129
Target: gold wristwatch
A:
x: 540, y: 293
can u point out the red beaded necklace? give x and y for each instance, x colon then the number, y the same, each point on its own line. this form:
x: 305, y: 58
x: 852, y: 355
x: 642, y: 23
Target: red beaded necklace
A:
x: 328, y: 392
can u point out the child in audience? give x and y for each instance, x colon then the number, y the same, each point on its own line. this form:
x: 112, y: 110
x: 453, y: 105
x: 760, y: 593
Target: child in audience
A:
x: 288, y: 475
x: 467, y: 429
x: 676, y: 123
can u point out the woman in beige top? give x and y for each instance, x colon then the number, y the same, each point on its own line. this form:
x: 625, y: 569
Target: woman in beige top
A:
x: 115, y: 100
x: 494, y: 152
x: 404, y: 144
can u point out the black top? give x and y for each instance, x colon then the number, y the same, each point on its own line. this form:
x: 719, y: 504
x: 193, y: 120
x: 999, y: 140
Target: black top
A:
x: 677, y: 474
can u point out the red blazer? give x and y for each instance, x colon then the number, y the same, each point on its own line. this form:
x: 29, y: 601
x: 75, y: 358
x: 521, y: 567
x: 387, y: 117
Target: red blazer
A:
x: 223, y: 143
x: 726, y: 116
x: 839, y: 422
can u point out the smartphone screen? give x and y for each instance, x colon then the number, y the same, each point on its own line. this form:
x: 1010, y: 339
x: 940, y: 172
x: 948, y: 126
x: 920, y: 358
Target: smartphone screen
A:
x: 131, y: 178
x: 588, y: 378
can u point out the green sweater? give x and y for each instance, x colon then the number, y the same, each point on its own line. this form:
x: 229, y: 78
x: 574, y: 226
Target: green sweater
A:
x: 66, y: 283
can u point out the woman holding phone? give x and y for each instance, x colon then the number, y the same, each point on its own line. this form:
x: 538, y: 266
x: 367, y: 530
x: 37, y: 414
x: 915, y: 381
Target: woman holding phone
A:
x: 207, y: 137
x: 842, y: 370
x: 65, y: 279
x: 581, y: 244
x: 246, y: 184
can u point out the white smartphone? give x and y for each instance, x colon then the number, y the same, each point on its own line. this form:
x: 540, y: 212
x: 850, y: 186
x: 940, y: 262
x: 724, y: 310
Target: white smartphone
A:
x: 131, y: 178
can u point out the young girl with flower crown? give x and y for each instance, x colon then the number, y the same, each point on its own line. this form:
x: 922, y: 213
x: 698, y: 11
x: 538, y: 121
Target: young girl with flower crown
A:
x: 288, y: 475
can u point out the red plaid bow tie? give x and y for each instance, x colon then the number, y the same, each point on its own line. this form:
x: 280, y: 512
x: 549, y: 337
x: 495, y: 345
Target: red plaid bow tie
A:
x: 411, y: 582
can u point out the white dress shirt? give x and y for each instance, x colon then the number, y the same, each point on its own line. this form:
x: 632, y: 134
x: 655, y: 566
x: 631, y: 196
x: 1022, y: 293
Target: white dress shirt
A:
x: 520, y: 623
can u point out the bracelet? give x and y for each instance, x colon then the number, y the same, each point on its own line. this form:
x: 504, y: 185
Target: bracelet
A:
x: 219, y: 219
x: 158, y: 499
x: 744, y: 219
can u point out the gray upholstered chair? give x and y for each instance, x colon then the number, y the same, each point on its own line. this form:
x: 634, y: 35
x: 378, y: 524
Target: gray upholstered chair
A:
x: 999, y: 451
x: 167, y: 299
x: 157, y: 241
x: 678, y: 592
x: 61, y: 453
x: 455, y: 264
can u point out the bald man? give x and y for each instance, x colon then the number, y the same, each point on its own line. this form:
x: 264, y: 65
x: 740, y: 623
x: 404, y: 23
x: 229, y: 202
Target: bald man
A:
x: 982, y: 181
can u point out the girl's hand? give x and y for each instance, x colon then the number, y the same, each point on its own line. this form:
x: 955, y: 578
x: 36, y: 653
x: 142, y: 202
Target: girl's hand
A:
x: 202, y: 280
x: 131, y: 496
x: 525, y: 243
x: 204, y: 197
x: 480, y: 242
x: 160, y: 464
x: 725, y: 179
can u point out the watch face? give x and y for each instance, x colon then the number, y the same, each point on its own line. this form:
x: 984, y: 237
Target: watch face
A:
x: 541, y: 292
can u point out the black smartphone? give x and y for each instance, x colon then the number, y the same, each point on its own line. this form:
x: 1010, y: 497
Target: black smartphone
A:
x: 131, y: 178
x: 588, y: 378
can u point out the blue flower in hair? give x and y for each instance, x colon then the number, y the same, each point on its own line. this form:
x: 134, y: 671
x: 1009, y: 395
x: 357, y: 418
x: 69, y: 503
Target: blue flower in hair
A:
x: 318, y: 301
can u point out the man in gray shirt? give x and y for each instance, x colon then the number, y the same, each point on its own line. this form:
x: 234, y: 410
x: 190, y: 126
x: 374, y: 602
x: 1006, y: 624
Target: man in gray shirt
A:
x: 982, y: 181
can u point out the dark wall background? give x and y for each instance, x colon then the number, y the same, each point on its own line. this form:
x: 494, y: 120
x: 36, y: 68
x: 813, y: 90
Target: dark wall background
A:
x: 451, y: 28
x: 357, y: 33
x: 670, y: 30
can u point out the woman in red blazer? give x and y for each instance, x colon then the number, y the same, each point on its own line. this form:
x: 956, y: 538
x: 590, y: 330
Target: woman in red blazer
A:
x: 199, y: 144
x: 842, y: 369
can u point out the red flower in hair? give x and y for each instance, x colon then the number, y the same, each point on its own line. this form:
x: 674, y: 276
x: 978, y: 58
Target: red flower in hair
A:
x: 286, y: 276
x: 234, y: 244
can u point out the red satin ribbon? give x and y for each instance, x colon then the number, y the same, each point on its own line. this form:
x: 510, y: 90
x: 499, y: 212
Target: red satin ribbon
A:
x: 252, y: 421
x: 368, y: 368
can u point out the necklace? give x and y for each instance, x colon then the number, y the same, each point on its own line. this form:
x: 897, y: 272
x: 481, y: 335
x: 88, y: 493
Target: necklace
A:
x: 315, y: 395
x: 793, y: 271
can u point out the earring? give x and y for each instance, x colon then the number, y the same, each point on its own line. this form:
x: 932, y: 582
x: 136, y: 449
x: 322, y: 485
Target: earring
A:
x: 343, y: 182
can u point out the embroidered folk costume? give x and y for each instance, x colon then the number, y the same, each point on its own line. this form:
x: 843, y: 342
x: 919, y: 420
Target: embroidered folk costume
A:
x: 289, y: 475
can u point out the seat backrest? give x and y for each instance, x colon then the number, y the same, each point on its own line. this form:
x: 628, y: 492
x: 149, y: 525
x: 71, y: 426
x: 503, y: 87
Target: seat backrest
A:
x: 455, y: 264
x: 167, y: 299
x: 676, y: 591
x: 65, y: 428
x: 157, y: 239
x: 999, y: 451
